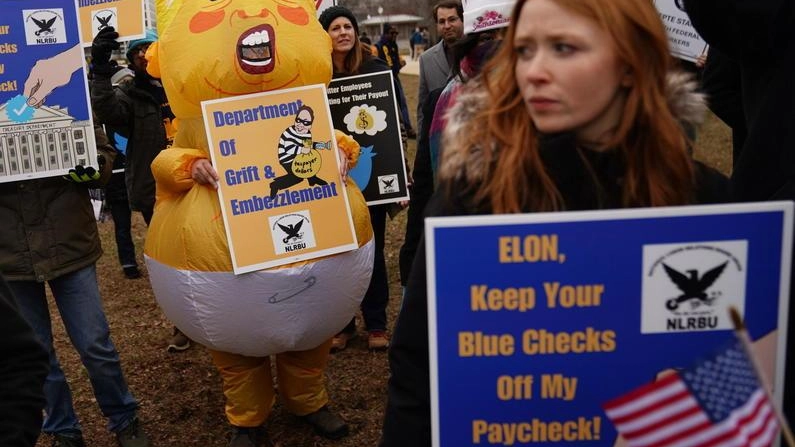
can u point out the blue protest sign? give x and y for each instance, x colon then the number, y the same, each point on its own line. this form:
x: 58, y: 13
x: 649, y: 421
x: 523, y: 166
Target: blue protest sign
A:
x: 45, y: 119
x: 536, y: 321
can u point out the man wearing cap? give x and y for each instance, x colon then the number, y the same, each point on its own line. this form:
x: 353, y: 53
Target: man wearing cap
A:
x: 142, y: 107
x: 435, y: 62
x: 116, y: 189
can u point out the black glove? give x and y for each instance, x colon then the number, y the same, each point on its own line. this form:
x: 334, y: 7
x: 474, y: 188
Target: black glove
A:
x: 103, y: 45
x: 81, y: 174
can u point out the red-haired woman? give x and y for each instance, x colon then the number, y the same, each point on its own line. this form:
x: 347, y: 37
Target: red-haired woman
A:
x: 578, y: 110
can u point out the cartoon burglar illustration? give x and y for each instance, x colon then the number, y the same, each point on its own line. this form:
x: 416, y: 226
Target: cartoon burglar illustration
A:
x: 296, y: 153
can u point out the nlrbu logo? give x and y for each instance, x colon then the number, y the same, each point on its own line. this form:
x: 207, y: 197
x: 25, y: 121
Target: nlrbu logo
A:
x: 687, y: 286
x: 292, y: 232
x: 44, y: 26
x: 102, y: 19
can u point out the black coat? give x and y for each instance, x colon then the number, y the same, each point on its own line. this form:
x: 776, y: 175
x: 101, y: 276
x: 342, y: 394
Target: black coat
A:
x: 370, y: 64
x: 138, y: 110
x: 23, y: 366
x: 421, y: 192
x: 47, y: 225
x: 721, y: 82
x: 765, y: 53
x: 407, y: 419
x: 388, y: 51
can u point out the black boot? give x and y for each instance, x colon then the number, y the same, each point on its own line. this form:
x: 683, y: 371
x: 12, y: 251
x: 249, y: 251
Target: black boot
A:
x: 327, y: 424
x: 250, y: 437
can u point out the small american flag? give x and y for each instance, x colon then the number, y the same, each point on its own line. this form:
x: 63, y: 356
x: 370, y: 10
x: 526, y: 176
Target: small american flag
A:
x: 718, y: 402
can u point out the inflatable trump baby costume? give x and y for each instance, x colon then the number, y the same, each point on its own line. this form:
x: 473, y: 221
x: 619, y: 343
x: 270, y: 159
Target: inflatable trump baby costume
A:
x: 217, y: 49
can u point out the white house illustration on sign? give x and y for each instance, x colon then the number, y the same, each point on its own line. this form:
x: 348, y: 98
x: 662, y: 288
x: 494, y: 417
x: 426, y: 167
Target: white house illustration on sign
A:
x: 50, y: 140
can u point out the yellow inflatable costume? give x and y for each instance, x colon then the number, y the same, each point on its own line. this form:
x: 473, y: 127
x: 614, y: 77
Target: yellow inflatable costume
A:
x: 214, y: 49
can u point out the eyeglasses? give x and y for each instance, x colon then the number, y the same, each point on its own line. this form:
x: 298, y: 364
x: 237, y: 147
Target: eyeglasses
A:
x: 451, y: 20
x: 304, y: 122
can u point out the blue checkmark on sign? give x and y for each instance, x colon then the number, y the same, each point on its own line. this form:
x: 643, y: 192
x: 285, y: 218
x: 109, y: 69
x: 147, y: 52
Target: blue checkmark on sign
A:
x: 18, y: 110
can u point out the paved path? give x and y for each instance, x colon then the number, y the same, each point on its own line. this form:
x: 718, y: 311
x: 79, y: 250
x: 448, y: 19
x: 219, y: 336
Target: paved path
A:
x: 411, y: 68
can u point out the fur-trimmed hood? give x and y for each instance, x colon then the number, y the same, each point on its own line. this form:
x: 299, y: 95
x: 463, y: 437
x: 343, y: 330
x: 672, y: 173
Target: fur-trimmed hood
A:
x: 465, y: 161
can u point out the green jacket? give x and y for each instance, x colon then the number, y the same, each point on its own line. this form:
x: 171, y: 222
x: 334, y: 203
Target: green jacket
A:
x: 47, y: 225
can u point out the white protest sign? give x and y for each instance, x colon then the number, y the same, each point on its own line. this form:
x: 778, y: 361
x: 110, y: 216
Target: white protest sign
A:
x: 321, y: 5
x: 683, y: 39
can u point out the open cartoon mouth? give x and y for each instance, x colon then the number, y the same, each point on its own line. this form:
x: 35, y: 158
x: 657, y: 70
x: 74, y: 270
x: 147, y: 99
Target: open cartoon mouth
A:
x: 255, y: 50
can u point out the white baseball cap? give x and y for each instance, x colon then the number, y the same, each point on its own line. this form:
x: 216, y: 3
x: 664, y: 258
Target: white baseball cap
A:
x: 484, y: 15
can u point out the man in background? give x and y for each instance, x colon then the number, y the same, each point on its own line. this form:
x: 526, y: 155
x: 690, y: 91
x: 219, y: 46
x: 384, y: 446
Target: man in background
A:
x: 116, y: 189
x: 435, y: 63
x: 142, y: 108
x: 416, y: 37
x: 435, y: 70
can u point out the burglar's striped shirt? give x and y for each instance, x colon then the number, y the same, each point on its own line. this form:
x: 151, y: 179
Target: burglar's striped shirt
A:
x: 290, y: 144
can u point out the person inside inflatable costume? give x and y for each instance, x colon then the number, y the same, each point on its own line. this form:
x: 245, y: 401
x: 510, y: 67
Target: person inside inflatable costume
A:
x: 215, y: 49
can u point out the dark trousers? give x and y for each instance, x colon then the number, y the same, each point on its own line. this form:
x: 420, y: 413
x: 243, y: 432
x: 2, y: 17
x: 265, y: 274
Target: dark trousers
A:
x: 402, y: 104
x: 147, y: 213
x: 377, y: 295
x: 284, y: 182
x: 122, y: 215
x: 76, y: 295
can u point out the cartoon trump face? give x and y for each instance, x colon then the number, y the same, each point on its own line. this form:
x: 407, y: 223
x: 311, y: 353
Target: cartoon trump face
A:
x: 210, y: 49
x: 246, y: 46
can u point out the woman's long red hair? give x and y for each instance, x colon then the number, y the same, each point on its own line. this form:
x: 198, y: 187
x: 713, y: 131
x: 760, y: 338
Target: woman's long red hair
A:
x: 659, y: 171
